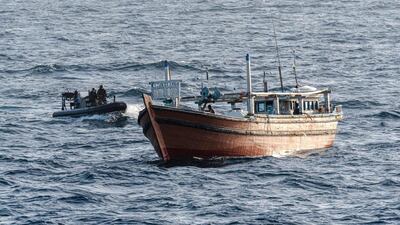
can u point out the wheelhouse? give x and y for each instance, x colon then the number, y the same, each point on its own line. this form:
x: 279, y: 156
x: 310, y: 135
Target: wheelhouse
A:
x: 292, y: 103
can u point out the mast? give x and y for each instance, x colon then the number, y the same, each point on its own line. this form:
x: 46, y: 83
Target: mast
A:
x: 265, y: 83
x: 250, y: 101
x: 294, y: 68
x: 278, y: 56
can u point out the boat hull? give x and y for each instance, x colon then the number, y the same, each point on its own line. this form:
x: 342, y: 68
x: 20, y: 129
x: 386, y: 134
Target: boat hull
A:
x: 178, y: 134
x: 101, y: 109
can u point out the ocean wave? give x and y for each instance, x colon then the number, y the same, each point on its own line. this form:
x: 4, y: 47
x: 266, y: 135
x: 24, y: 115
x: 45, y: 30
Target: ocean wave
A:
x: 51, y: 163
x: 4, y: 182
x: 47, y: 68
x: 5, y: 212
x: 85, y: 177
x: 78, y: 198
x: 389, y: 183
x: 135, y: 66
x: 114, y: 66
x: 308, y: 184
x: 41, y: 69
x: 387, y: 114
x: 14, y: 107
x: 156, y: 65
x: 28, y: 172
x: 358, y: 104
x: 4, y: 56
x: 382, y: 145
x: 134, y: 92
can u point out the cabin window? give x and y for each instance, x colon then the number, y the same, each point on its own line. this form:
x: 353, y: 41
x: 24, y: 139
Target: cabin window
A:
x: 270, y: 107
x: 316, y: 105
x: 260, y: 106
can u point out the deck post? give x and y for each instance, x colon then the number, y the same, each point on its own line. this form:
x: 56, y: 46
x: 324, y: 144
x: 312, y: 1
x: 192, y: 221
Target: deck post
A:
x: 277, y: 110
x: 250, y: 101
x: 327, y: 102
x: 300, y: 99
x: 167, y: 71
x: 62, y: 103
x: 178, y: 99
x: 265, y: 83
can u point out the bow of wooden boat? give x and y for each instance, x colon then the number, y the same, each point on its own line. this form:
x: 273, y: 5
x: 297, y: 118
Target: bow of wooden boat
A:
x: 151, y: 128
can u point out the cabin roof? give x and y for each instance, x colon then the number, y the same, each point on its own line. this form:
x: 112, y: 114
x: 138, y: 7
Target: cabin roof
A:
x: 290, y: 94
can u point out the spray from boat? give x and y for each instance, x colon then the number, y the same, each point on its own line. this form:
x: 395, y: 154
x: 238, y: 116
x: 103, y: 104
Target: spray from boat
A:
x: 133, y: 109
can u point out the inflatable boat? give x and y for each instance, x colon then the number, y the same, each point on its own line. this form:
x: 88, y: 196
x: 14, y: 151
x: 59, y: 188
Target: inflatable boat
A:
x: 84, y: 106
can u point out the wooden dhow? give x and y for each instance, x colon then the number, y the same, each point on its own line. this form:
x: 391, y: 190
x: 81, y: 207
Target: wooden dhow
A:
x: 276, y: 123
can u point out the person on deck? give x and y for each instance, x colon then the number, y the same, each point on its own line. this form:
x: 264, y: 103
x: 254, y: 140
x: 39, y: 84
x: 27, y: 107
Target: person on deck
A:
x: 102, y: 95
x: 210, y: 109
x: 92, y: 97
x: 77, y: 100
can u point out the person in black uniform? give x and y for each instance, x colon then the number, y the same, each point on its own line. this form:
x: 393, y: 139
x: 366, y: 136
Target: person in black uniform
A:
x: 102, y: 95
x: 92, y: 97
x: 77, y: 99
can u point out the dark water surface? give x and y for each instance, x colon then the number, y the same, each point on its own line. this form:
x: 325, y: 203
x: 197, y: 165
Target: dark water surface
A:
x: 102, y: 170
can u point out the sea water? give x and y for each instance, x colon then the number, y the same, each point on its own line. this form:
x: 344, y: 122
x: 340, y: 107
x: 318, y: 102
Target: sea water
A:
x: 102, y: 170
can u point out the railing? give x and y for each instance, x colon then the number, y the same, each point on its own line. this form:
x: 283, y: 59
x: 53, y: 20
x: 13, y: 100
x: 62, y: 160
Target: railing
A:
x: 338, y: 109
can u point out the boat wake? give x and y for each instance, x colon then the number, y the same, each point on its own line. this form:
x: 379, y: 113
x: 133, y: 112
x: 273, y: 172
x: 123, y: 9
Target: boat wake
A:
x: 134, y: 92
x: 108, y: 118
x: 93, y: 117
x: 133, y: 110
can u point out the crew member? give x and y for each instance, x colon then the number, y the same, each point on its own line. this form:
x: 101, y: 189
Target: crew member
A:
x: 92, y: 97
x: 296, y: 108
x: 77, y: 99
x: 102, y: 95
x: 210, y: 109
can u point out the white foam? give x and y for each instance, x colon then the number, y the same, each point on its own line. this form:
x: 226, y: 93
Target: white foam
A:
x: 133, y: 110
x: 94, y: 117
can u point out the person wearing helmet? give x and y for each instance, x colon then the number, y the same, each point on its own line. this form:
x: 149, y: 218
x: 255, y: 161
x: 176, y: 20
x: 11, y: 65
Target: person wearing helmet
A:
x: 102, y: 95
x: 77, y: 100
x: 92, y: 97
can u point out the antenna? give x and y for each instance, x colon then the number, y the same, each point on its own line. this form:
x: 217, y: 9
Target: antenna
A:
x: 294, y: 68
x: 265, y: 83
x: 278, y: 56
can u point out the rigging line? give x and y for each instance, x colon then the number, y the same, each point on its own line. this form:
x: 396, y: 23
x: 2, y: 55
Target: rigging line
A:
x: 277, y: 55
x: 294, y: 68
